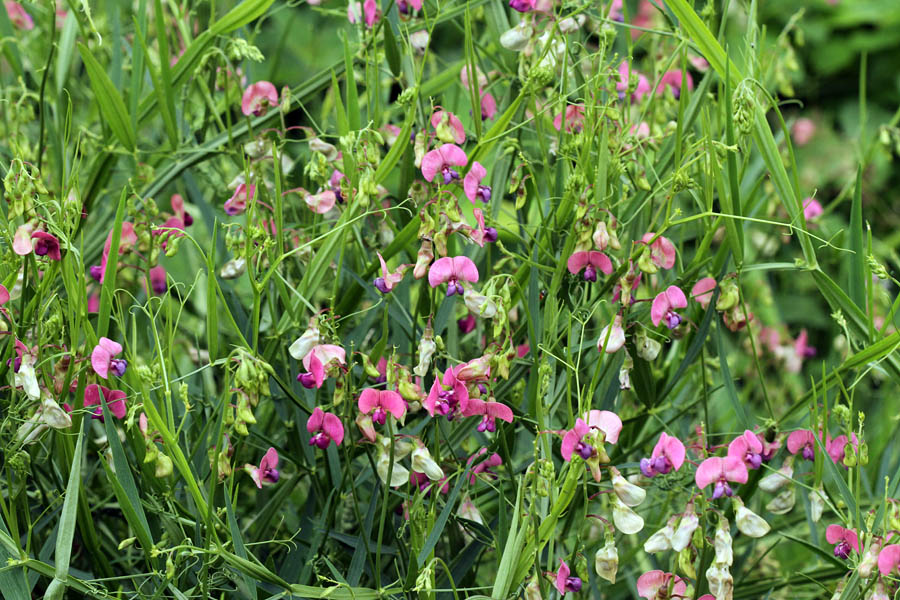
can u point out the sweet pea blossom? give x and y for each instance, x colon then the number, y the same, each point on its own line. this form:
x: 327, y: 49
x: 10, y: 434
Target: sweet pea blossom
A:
x: 369, y: 11
x: 802, y: 441
x: 657, y: 585
x: 320, y: 203
x: 668, y: 455
x: 404, y: 6
x: 442, y: 160
x: 574, y: 115
x: 565, y: 582
x: 324, y: 428
x: 748, y: 449
x: 720, y: 471
x: 46, y: 244
x: 158, y: 280
x: 812, y: 209
x: 673, y: 81
x: 318, y: 362
x: 612, y: 337
x: 379, y: 403
x: 488, y: 105
x: 803, y: 130
x: 624, y: 83
x: 844, y: 540
x: 258, y: 97
x: 127, y: 240
x: 661, y: 255
x: 448, y: 127
x: 588, y: 436
x: 388, y: 280
x: 267, y: 471
x: 17, y: 16
x: 889, y: 559
x: 488, y: 411
x: 448, y: 395
x: 243, y: 193
x: 103, y: 358
x: 590, y: 262
x: 115, y: 399
x: 664, y: 306
x: 472, y: 184
x: 702, y: 291
x: 451, y: 270
x: 522, y: 6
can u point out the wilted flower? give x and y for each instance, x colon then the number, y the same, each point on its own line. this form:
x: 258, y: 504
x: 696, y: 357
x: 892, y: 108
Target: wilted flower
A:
x: 628, y: 493
x: 606, y: 561
x: 627, y: 521
x: 748, y: 522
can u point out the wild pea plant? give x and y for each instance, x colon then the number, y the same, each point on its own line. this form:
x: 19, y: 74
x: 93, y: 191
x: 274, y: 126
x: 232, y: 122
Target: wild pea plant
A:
x: 503, y: 302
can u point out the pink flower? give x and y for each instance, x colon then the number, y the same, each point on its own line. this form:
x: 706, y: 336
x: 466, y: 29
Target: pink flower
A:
x: 889, y: 559
x: 381, y: 402
x: 588, y: 436
x: 267, y: 471
x: 484, y: 466
x: 574, y: 118
x: 103, y: 361
x: 564, y: 582
x: 643, y: 86
x: 488, y: 106
x: 448, y: 127
x: 836, y: 447
x: 844, y: 540
x: 158, y: 280
x: 466, y: 324
x: 802, y: 441
x: 720, y: 471
x: 668, y: 455
x: 18, y: 17
x: 388, y: 280
x: 258, y: 97
x: 451, y: 270
x: 803, y: 130
x: 404, y: 5
x: 320, y: 203
x: 702, y: 291
x: 657, y: 585
x: 662, y: 251
x: 115, y: 399
x: 672, y: 80
x: 590, y: 262
x: 371, y: 12
x: 22, y: 244
x: 127, y: 240
x: 477, y: 369
x: 324, y: 428
x: 664, y: 306
x: 448, y: 395
x: 46, y: 244
x: 4, y: 295
x: 748, y: 449
x: 318, y: 362
x: 812, y: 209
x: 488, y: 411
x: 472, y: 184
x: 440, y: 160
x: 238, y: 201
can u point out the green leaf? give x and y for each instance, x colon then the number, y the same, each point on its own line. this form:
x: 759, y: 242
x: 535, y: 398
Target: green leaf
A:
x: 439, y: 524
x: 391, y: 53
x: 857, y: 270
x: 108, y: 288
x: 350, y: 85
x: 729, y: 382
x: 66, y: 52
x: 112, y: 107
x: 66, y: 532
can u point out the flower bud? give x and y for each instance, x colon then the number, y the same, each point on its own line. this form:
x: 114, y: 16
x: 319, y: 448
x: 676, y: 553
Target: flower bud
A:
x: 627, y: 521
x: 729, y: 296
x: 606, y: 561
x: 366, y: 426
x: 722, y: 543
x: 427, y: 348
x: 423, y: 259
x: 628, y: 493
x: 870, y: 558
x: 748, y: 522
x: 601, y: 236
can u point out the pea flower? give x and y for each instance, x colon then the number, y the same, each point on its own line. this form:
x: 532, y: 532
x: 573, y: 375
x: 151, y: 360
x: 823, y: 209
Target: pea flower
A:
x: 321, y: 360
x: 488, y: 411
x: 720, y: 471
x: 388, y: 280
x: 628, y: 493
x: 565, y: 582
x: 889, y: 559
x: 776, y: 480
x: 451, y: 270
x: 672, y: 80
x: 748, y: 522
x: 574, y: 116
x: 399, y: 473
x: 266, y: 472
x: 306, y: 342
x: 803, y: 130
x: 158, y: 282
x: 590, y: 262
x: 661, y: 541
x: 612, y: 337
x: 127, y: 241
x: 488, y: 106
x: 588, y: 436
x: 422, y: 462
x: 485, y: 466
x: 448, y: 127
x: 624, y: 83
x: 324, y: 428
x: 46, y: 244
x: 24, y: 375
x: 379, y: 403
x: 844, y: 540
x: 404, y: 6
x: 115, y: 399
x: 668, y: 455
x: 369, y: 11
x: 243, y: 193
x: 48, y: 414
x: 702, y: 291
x: 448, y: 395
x: 17, y: 16
x: 103, y: 361
x: 442, y: 160
x: 664, y: 306
x: 657, y: 585
x: 522, y: 6
x: 258, y: 97
x: 812, y: 209
x: 472, y: 184
x: 748, y: 449
x: 606, y: 560
x: 320, y: 203
x: 661, y: 253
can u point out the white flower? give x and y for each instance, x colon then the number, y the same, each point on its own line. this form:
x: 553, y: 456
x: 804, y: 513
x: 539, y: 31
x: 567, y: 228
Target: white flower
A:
x: 419, y: 40
x: 748, y: 522
x: 627, y: 521
x: 685, y: 530
x: 606, y: 561
x: 303, y: 344
x: 628, y: 493
x: 661, y: 540
x: 721, y: 584
x: 613, y: 338
x: 783, y: 502
x: 517, y: 38
x: 26, y: 377
x: 480, y: 305
x: 722, y: 543
x: 776, y: 480
x: 53, y: 415
x: 233, y: 269
x: 816, y: 504
x: 647, y: 348
x: 423, y: 463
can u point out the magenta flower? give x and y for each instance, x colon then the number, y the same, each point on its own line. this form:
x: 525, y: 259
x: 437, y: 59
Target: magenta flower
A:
x: 664, y: 306
x: 588, y: 436
x: 368, y: 11
x: 844, y: 540
x: 488, y: 106
x: 702, y: 291
x: 442, y: 160
x: 802, y: 441
x: 381, y: 402
x: 450, y: 271
x: 488, y: 412
x: 243, y: 193
x: 466, y: 324
x: 322, y: 360
x: 388, y: 280
x: 590, y: 262
x: 672, y: 80
x: 179, y: 211
x: 720, y: 471
x: 103, y: 358
x: 46, y: 244
x: 115, y: 399
x: 574, y: 118
x: 448, y: 396
x: 158, y: 280
x: 324, y: 428
x: 657, y: 585
x: 320, y: 203
x: 267, y: 471
x: 643, y: 86
x: 258, y: 97
x: 662, y: 251
x: 472, y: 184
x: 802, y: 131
x: 127, y: 240
x: 404, y: 6
x: 889, y: 559
x: 17, y: 16
x: 748, y: 449
x: 812, y: 209
x: 668, y: 455
x: 4, y: 294
x: 485, y: 466
x: 566, y: 582
x: 448, y: 127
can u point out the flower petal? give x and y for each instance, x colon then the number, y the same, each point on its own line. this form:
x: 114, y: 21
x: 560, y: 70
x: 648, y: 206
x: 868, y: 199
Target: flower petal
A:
x: 465, y: 269
x: 333, y: 428
x: 440, y: 272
